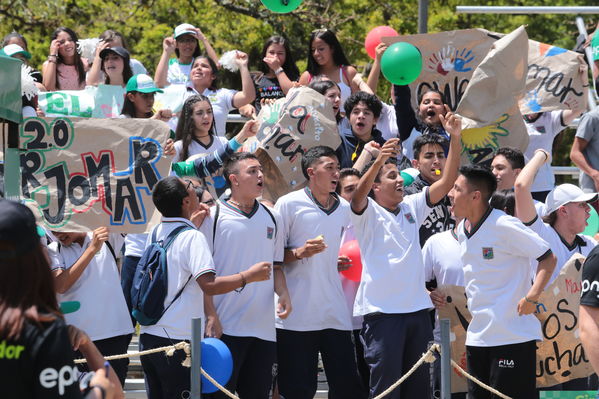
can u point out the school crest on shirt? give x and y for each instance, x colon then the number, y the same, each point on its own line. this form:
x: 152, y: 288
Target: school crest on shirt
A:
x: 488, y: 253
x: 410, y: 218
x: 269, y: 232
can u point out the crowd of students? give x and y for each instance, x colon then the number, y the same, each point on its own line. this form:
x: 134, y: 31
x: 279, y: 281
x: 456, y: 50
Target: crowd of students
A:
x: 265, y: 277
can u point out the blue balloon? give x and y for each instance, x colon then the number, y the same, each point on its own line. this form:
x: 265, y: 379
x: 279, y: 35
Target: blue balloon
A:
x: 217, y: 362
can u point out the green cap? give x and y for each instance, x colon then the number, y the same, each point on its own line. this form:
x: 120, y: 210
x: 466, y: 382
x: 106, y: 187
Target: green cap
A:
x: 13, y: 49
x: 143, y: 84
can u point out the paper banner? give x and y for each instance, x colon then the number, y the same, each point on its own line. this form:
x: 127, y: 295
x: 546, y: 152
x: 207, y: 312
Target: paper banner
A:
x: 78, y: 174
x: 173, y: 98
x: 489, y: 108
x: 555, y: 79
x: 560, y: 356
x: 288, y: 128
x: 104, y: 101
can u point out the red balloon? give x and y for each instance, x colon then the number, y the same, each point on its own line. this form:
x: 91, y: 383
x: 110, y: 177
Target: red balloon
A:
x: 352, y: 251
x: 373, y: 38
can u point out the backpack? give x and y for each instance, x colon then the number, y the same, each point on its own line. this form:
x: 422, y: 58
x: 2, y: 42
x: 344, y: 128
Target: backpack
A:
x: 150, y: 281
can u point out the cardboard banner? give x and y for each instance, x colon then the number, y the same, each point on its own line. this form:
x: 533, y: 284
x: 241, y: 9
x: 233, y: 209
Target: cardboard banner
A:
x: 489, y: 108
x: 560, y: 356
x: 104, y: 101
x: 288, y: 128
x: 557, y: 79
x: 78, y: 174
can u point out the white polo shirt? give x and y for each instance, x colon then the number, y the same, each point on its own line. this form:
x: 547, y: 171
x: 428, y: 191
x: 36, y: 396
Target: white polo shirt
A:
x: 195, y: 147
x: 442, y: 262
x: 392, y: 268
x: 188, y: 255
x: 582, y: 244
x: 496, y: 255
x: 103, y: 312
x: 541, y: 134
x: 242, y: 240
x: 314, y: 284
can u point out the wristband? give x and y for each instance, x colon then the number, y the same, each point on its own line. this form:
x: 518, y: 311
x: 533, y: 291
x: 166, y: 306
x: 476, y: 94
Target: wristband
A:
x: 370, y: 152
x: 243, y: 283
x: 234, y: 144
x: 530, y: 300
x: 279, y: 70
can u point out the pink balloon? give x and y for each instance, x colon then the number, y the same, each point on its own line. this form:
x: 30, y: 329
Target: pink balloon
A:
x: 352, y: 251
x: 373, y: 38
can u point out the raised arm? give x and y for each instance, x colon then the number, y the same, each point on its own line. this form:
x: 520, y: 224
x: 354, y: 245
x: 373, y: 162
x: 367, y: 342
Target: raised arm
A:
x: 248, y: 91
x: 168, y: 48
x: 49, y: 67
x: 406, y: 118
x: 209, y: 50
x: 525, y: 207
x: 95, y: 72
x: 360, y: 198
x: 375, y: 71
x: 284, y: 81
x: 453, y: 125
x: 65, y: 278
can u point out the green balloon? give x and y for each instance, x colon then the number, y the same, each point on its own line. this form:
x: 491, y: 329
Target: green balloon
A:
x: 401, y: 63
x: 281, y: 6
x: 592, y: 223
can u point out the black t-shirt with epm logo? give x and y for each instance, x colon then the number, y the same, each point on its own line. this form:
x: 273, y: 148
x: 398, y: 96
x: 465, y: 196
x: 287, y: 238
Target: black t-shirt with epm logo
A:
x: 39, y: 364
x: 590, y: 279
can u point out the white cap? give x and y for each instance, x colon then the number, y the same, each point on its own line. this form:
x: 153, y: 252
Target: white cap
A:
x: 564, y: 194
x: 185, y: 29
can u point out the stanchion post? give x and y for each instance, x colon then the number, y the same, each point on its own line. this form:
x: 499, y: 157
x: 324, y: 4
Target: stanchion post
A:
x: 196, y: 358
x: 445, y: 360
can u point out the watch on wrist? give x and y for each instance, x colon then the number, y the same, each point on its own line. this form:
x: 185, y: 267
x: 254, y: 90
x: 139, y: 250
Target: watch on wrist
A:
x: 279, y: 70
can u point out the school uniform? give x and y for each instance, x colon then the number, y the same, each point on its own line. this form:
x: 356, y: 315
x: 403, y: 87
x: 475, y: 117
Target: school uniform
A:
x: 99, y: 293
x: 320, y: 320
x: 500, y: 344
x: 392, y: 296
x: 239, y: 240
x: 188, y: 258
x: 443, y: 264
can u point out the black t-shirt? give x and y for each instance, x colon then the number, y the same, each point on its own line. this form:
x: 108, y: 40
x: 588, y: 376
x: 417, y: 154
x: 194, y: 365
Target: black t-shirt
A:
x: 39, y: 364
x: 590, y: 279
x: 267, y: 89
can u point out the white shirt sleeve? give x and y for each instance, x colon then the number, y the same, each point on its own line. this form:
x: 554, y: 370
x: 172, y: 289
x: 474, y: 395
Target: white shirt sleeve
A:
x: 521, y: 240
x: 281, y: 208
x: 419, y: 205
x: 279, y: 254
x: 56, y: 259
x: 428, y: 258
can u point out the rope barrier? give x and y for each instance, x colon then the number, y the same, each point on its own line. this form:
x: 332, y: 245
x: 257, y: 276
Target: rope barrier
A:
x: 427, y: 357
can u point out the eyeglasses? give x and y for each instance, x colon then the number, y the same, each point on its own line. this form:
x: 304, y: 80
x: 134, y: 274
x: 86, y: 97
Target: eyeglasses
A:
x: 189, y: 184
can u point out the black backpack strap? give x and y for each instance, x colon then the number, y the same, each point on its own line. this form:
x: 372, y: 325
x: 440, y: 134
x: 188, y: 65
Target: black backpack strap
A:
x: 271, y: 216
x: 109, y: 245
x: 167, y: 243
x: 216, y: 214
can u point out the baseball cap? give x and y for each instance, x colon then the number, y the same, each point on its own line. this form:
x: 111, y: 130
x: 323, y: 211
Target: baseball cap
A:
x: 185, y: 29
x: 120, y: 51
x: 13, y: 49
x: 564, y: 194
x: 143, y: 84
x: 18, y: 230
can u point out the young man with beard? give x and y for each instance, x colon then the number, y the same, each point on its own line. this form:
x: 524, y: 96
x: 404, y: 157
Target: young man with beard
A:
x: 248, y: 315
x: 497, y: 251
x: 313, y: 222
x: 429, y: 159
x: 392, y: 296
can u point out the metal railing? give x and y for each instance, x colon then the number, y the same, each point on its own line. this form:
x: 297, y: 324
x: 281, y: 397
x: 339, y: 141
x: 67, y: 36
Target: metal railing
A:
x: 526, y: 10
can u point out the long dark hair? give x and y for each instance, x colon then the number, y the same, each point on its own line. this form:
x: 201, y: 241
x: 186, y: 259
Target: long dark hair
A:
x: 129, y: 107
x: 213, y: 67
x: 289, y: 66
x: 329, y: 38
x: 78, y: 62
x: 127, y: 71
x: 26, y: 292
x: 11, y: 35
x: 322, y: 86
x: 186, y: 127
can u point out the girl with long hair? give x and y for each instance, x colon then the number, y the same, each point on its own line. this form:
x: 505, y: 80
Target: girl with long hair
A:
x: 112, y: 62
x: 64, y: 69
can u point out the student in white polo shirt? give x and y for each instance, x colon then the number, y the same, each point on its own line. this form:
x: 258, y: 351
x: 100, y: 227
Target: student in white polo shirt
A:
x: 314, y: 219
x: 392, y: 295
x: 190, y: 270
x: 567, y: 209
x: 247, y: 315
x: 497, y: 250
x: 85, y: 270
